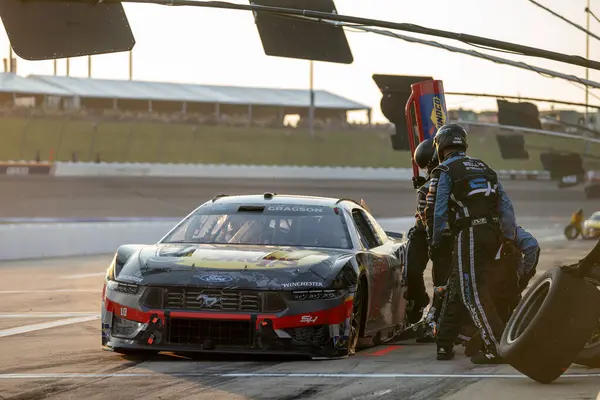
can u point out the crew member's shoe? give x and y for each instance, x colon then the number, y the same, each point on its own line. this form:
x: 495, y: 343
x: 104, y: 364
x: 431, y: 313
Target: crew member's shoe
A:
x: 474, y: 346
x: 487, y: 358
x: 445, y: 353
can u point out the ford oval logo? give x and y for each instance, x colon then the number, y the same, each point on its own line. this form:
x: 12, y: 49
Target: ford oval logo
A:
x: 216, y: 278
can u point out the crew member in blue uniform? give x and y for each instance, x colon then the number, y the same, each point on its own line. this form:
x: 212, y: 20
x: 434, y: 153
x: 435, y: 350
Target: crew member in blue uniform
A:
x: 418, y: 248
x: 510, y: 276
x: 469, y: 201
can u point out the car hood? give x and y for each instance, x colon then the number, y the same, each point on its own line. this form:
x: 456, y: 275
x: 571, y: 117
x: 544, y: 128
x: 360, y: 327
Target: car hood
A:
x: 249, y: 267
x: 591, y: 224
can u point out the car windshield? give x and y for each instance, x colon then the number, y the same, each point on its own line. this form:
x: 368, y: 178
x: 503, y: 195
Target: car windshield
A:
x: 275, y: 225
x: 595, y: 217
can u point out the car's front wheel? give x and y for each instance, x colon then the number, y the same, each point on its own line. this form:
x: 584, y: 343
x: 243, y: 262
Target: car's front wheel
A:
x: 357, y: 317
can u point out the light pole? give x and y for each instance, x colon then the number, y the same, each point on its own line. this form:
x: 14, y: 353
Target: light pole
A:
x: 10, y: 58
x: 587, y: 56
x: 311, y: 110
x: 130, y: 65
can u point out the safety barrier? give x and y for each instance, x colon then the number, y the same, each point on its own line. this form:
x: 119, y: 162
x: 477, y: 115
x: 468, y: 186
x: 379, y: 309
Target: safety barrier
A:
x: 37, y: 238
x: 26, y: 168
x: 64, y: 169
x: 41, y: 240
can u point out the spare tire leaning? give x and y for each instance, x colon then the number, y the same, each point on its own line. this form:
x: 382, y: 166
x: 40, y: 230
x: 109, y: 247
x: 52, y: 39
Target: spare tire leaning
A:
x: 571, y: 232
x: 551, y: 325
x: 590, y: 355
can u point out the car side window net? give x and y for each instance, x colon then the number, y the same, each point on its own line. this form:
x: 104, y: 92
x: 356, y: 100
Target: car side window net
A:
x: 364, y: 229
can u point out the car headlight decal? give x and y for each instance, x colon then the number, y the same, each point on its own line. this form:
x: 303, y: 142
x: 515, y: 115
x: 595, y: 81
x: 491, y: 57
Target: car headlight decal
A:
x: 125, y: 328
x: 346, y: 278
x: 128, y: 288
x: 300, y: 295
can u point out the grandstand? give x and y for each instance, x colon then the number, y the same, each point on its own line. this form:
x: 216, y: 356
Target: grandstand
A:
x: 83, y: 119
x: 210, y: 103
x: 14, y: 87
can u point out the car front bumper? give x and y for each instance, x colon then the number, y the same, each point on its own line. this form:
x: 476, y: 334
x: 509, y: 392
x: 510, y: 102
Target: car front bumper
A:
x: 323, y: 333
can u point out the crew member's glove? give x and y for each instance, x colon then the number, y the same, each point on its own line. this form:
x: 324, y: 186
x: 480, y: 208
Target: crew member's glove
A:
x: 418, y: 181
x: 509, y: 250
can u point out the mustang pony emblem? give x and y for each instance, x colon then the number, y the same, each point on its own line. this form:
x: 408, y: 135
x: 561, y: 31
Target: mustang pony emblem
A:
x: 208, y: 301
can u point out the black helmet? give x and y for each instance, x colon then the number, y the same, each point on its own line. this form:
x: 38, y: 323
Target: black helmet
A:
x: 450, y: 135
x: 424, y: 154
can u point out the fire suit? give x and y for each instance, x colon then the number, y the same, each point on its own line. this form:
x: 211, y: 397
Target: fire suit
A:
x: 510, y: 277
x: 469, y: 190
x: 441, y: 265
x: 577, y: 221
x: 417, y: 259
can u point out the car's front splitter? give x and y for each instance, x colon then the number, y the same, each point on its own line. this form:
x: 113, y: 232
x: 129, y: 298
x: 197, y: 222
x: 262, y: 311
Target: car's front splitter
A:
x: 121, y: 346
x: 323, y: 333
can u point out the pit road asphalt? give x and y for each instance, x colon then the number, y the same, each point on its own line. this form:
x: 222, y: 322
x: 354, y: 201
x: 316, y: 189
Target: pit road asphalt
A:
x: 36, y: 360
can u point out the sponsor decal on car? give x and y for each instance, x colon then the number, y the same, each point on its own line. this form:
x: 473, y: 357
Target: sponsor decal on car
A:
x: 307, y: 319
x: 296, y: 209
x: 302, y: 284
x: 215, y: 278
x: 208, y: 301
x: 136, y: 279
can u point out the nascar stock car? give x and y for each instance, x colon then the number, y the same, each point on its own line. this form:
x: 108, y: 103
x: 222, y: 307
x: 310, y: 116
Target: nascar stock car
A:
x: 267, y: 273
x: 591, y: 226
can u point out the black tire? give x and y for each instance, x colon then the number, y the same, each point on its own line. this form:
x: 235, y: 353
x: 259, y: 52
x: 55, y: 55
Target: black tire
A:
x: 571, y: 232
x: 550, y: 325
x: 358, y: 318
x: 590, y: 355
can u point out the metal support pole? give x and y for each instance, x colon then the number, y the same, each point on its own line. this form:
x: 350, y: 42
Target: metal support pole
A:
x: 130, y: 65
x: 68, y: 67
x: 10, y: 58
x: 587, y: 56
x: 55, y: 67
x: 311, y: 110
x: 587, y: 73
x: 89, y: 66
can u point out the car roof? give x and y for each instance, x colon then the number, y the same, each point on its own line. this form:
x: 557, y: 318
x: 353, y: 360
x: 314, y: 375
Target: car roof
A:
x: 268, y: 197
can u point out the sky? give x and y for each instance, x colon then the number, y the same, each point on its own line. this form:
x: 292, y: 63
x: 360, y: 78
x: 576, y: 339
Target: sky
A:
x: 222, y: 47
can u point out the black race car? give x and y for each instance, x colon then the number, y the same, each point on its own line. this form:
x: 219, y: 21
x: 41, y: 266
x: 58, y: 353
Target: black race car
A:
x: 265, y: 273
